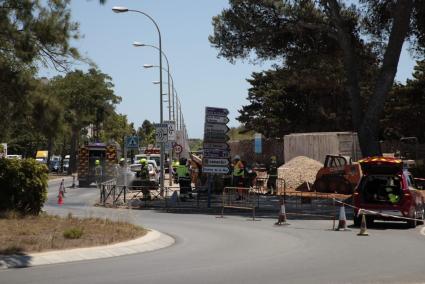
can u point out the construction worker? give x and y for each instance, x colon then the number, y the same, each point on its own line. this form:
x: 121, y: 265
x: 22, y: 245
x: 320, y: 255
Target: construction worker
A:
x: 238, y: 176
x: 98, y: 171
x: 143, y: 174
x: 184, y: 180
x: 238, y: 171
x: 175, y: 164
x: 272, y: 173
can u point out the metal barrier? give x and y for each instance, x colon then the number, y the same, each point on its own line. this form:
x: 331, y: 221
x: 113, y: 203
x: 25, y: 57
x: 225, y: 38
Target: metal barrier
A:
x: 107, y: 190
x: 239, y: 198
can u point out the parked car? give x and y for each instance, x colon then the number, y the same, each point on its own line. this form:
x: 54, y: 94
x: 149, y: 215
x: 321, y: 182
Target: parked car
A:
x: 387, y: 188
x: 153, y: 172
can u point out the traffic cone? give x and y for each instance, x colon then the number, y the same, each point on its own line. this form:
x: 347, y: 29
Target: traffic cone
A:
x: 282, y: 214
x: 60, y: 198
x: 363, y: 228
x: 342, y: 220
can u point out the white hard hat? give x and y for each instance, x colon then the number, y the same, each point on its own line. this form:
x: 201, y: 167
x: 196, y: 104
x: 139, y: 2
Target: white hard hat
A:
x: 237, y: 157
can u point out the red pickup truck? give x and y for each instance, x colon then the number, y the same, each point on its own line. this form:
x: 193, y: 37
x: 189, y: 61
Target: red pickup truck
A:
x: 385, y: 190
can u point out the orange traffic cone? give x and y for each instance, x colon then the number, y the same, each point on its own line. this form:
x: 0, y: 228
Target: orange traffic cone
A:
x: 60, y: 198
x: 342, y: 220
x: 282, y: 214
x: 61, y: 193
x: 363, y: 229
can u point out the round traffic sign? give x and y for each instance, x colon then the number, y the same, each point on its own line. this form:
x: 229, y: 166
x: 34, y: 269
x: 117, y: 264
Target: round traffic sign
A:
x: 178, y: 148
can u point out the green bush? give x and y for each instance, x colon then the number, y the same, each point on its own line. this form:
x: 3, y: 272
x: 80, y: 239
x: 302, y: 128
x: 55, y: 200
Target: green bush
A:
x: 23, y: 186
x: 73, y: 233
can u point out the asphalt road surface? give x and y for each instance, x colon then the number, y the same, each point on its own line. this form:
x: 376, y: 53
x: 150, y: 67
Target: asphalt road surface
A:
x: 237, y: 250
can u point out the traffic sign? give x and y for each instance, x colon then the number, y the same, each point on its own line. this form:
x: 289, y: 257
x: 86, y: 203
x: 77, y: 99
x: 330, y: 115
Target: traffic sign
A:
x: 171, y: 130
x: 178, y: 148
x: 132, y: 142
x: 216, y: 119
x: 215, y: 137
x: 216, y: 111
x: 215, y: 170
x: 216, y: 154
x: 257, y: 143
x: 219, y: 146
x: 161, y: 132
x: 215, y: 162
x: 213, y: 127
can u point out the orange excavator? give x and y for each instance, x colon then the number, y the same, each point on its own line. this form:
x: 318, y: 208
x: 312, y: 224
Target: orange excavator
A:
x: 338, y: 175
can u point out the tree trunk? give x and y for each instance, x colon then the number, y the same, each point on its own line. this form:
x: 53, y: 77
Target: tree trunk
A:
x: 73, y: 155
x: 370, y: 124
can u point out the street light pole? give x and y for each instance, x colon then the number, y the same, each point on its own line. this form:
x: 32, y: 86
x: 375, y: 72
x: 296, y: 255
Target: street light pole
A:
x: 139, y: 44
x: 161, y: 118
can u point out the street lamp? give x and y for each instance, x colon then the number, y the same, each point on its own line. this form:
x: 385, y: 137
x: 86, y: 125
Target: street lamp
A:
x: 170, y: 87
x: 120, y: 9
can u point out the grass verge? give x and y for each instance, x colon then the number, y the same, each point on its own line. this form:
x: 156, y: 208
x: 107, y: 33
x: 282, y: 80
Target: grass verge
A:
x: 20, y: 235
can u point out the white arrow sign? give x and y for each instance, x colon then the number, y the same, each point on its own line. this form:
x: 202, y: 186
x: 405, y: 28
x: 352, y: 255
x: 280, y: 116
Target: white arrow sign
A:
x: 215, y: 170
x: 212, y: 127
x: 216, y: 119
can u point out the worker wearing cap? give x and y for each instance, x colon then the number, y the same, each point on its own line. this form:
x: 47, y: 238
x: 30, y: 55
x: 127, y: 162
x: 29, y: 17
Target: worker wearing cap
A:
x: 272, y: 173
x: 143, y: 174
x: 98, y: 171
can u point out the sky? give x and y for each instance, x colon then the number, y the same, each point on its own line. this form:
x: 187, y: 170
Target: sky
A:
x: 201, y: 79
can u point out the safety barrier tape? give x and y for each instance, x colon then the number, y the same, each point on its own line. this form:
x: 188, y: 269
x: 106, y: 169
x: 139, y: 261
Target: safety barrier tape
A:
x: 376, y: 212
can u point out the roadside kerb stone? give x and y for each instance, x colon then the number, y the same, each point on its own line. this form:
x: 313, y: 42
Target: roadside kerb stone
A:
x: 153, y: 240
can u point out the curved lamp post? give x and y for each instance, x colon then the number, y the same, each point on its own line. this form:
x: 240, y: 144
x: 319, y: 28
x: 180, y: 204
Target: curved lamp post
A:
x: 120, y: 9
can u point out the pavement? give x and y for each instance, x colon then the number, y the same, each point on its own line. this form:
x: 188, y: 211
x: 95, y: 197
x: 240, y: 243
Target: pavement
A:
x: 236, y: 249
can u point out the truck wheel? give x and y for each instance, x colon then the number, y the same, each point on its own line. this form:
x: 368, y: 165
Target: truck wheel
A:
x: 413, y: 223
x: 422, y: 217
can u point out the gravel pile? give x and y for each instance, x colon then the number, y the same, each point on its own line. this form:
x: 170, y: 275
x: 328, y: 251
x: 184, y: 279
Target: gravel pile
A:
x: 299, y: 170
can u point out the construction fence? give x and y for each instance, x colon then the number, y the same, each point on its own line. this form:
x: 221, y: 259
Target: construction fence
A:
x: 252, y: 201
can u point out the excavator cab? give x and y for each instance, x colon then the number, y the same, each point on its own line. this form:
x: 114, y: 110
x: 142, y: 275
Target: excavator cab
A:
x: 338, y: 175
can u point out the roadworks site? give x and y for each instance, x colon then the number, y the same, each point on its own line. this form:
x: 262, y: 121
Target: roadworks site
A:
x: 294, y: 189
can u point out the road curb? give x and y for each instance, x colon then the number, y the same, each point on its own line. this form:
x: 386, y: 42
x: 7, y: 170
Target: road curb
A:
x: 153, y: 240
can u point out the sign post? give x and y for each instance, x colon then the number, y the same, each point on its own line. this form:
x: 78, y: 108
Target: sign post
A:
x: 216, y: 158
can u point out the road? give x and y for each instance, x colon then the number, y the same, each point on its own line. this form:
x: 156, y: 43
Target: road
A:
x: 236, y: 250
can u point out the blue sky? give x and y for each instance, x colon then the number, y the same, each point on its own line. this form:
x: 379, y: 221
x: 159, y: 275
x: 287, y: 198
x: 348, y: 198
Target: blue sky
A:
x: 200, y: 78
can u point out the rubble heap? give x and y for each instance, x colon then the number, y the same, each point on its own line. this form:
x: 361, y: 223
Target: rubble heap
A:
x: 299, y: 170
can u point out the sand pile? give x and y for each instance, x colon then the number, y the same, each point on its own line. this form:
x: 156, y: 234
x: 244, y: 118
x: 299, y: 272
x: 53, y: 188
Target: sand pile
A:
x: 299, y: 170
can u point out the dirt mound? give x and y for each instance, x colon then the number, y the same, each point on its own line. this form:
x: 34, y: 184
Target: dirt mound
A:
x: 299, y: 170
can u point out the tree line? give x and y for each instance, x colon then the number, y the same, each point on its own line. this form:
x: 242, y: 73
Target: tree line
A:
x: 335, y: 64
x: 53, y: 114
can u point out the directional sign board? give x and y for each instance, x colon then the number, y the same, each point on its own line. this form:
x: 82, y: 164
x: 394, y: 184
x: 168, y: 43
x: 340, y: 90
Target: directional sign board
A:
x: 216, y: 154
x: 216, y: 151
x: 161, y: 132
x: 216, y: 137
x: 219, y: 146
x: 215, y: 127
x: 215, y: 162
x: 216, y: 119
x: 132, y: 142
x: 213, y: 111
x: 215, y: 170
